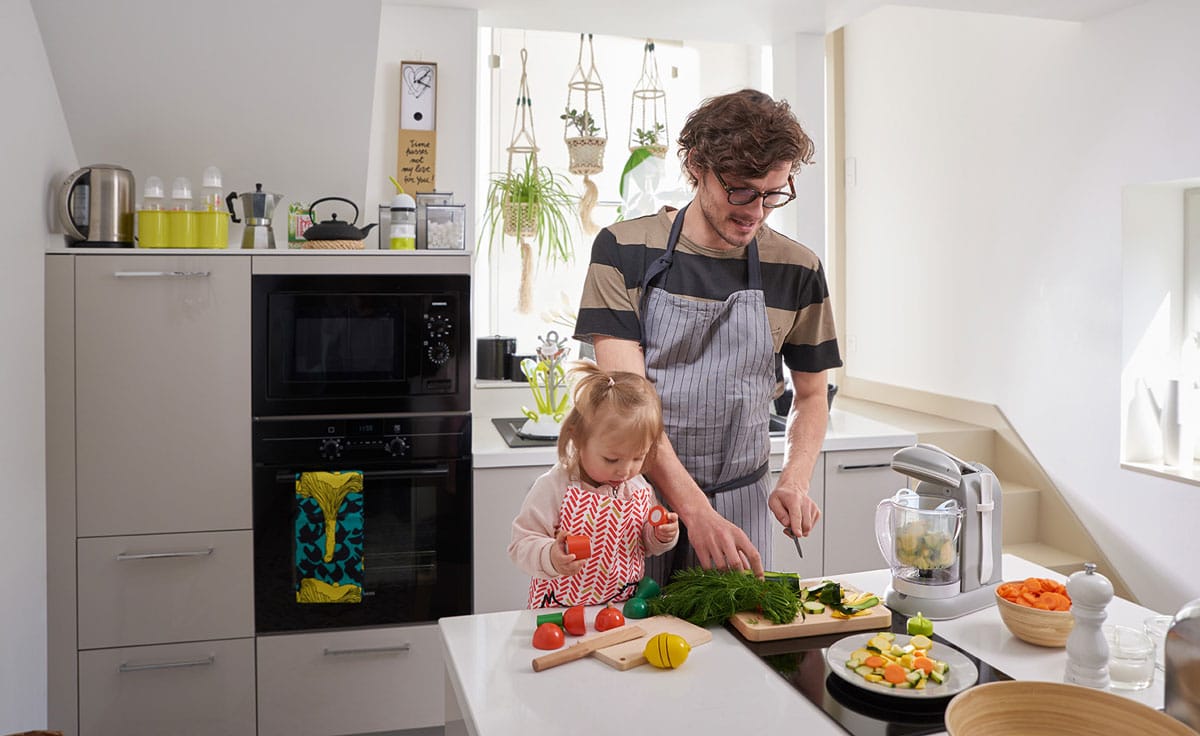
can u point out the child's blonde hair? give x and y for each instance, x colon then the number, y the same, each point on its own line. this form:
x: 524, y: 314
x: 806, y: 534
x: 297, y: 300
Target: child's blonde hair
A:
x: 605, y: 401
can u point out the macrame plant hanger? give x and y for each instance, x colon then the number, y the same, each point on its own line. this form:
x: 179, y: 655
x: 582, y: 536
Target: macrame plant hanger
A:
x: 584, y: 135
x: 648, y: 113
x: 521, y: 218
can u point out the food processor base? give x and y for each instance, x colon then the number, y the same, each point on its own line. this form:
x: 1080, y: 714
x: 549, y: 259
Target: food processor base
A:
x: 941, y: 609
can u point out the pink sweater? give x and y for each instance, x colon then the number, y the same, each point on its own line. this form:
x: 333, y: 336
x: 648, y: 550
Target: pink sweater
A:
x: 534, y: 528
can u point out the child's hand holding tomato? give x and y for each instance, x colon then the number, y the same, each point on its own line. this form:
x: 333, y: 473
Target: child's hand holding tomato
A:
x: 564, y: 562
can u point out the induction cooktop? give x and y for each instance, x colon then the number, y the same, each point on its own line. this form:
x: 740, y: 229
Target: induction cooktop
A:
x: 859, y: 711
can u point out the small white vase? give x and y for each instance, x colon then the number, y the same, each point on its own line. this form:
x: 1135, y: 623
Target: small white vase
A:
x: 1143, y: 431
x: 1168, y: 421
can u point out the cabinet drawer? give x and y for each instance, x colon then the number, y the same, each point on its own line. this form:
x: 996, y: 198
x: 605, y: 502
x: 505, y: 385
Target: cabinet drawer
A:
x: 181, y: 689
x: 166, y: 587
x: 855, y: 482
x: 350, y: 681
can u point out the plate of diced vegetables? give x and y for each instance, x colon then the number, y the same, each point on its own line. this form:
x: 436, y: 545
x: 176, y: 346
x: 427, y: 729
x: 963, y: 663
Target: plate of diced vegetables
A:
x: 900, y: 665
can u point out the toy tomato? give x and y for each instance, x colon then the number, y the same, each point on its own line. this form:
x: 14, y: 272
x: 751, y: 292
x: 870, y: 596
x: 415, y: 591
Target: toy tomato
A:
x: 667, y: 651
x: 580, y: 546
x: 657, y: 516
x: 573, y: 621
x: 609, y: 618
x: 548, y: 636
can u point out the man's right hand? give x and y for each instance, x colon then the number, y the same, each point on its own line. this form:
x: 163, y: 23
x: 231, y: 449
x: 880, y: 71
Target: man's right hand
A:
x: 720, y: 544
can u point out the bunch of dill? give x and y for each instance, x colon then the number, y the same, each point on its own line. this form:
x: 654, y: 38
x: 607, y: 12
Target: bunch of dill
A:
x: 709, y: 597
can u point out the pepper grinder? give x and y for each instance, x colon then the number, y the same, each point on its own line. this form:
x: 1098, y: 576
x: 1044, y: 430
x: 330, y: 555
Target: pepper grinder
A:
x: 1087, y: 649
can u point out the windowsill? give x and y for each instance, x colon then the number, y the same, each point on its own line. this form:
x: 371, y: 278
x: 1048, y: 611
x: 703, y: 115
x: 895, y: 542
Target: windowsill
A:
x: 1190, y: 475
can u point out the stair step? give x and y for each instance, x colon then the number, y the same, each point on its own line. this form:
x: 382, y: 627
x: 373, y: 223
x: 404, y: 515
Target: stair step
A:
x: 1058, y: 560
x: 1020, y: 511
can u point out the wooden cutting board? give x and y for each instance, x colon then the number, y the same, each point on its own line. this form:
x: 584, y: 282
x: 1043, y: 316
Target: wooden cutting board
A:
x: 755, y: 627
x: 628, y: 655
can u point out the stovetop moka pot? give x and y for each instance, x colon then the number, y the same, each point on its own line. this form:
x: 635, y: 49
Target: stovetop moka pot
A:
x: 257, y: 207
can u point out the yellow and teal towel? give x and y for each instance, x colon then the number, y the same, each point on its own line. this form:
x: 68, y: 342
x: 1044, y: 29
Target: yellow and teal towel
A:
x: 329, y: 537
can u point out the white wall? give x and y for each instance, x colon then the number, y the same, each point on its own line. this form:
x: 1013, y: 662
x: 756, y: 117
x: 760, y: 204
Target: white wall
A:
x: 35, y: 148
x: 984, y: 236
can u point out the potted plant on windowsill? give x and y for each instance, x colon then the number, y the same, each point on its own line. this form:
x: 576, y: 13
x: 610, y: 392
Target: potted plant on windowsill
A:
x: 587, y: 146
x: 648, y: 138
x: 530, y: 204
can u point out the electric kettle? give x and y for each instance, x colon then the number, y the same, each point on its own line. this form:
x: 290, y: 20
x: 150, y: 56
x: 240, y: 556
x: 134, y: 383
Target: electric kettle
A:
x: 95, y: 206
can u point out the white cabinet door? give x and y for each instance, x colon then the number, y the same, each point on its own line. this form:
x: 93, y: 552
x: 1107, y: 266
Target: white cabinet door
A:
x: 162, y: 393
x: 347, y: 682
x: 195, y: 689
x: 499, y: 584
x: 159, y: 588
x: 855, y: 482
x: 784, y: 557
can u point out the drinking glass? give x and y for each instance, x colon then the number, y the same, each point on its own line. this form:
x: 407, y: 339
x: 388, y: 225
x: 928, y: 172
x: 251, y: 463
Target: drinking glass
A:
x: 1156, y: 628
x: 1130, y: 658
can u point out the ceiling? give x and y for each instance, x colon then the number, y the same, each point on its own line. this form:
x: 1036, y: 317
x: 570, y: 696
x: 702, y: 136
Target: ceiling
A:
x: 746, y: 21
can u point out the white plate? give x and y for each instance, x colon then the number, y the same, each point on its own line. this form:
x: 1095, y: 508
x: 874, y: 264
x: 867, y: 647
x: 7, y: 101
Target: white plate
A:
x: 963, y: 673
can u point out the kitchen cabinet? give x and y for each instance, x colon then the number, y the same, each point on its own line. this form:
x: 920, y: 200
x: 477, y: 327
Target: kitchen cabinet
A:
x: 855, y: 482
x: 149, y: 553
x: 499, y: 584
x: 360, y: 681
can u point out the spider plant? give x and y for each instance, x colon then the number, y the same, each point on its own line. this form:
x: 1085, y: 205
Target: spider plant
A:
x: 534, y: 204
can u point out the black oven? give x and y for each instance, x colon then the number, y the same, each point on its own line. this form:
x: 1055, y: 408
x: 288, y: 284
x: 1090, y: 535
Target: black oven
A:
x: 357, y: 343
x: 407, y: 529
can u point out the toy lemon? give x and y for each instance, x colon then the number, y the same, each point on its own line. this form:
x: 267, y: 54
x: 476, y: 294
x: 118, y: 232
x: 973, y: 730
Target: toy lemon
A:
x: 667, y: 651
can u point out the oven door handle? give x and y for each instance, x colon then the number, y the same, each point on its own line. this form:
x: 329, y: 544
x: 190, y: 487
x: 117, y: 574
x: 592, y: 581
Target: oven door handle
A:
x: 441, y: 471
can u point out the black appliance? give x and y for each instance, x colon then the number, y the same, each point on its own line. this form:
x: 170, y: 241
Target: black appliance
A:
x: 860, y: 711
x: 416, y: 517
x: 357, y: 344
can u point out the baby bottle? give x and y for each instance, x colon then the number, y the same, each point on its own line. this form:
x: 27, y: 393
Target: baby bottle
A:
x: 402, y: 230
x: 181, y: 218
x: 151, y: 220
x: 212, y: 216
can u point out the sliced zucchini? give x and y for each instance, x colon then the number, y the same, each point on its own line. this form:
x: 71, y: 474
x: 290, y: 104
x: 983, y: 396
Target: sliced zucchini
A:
x: 813, y: 607
x: 937, y: 677
x: 864, y: 670
x: 914, y: 677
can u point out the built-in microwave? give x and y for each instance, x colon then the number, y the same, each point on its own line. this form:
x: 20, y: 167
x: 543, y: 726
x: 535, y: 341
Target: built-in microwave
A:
x: 359, y: 344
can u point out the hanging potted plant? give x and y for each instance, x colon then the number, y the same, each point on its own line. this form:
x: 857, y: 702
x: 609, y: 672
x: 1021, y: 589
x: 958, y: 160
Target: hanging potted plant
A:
x: 648, y: 112
x: 586, y: 147
x: 650, y: 139
x: 530, y: 204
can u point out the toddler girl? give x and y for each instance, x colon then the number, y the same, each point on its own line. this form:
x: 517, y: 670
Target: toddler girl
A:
x: 596, y: 490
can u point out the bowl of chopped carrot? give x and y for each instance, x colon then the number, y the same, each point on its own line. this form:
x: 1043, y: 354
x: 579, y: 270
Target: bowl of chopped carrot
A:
x: 1036, y: 610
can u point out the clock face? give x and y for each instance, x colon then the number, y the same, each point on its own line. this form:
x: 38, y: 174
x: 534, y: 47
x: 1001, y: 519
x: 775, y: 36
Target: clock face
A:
x: 418, y: 96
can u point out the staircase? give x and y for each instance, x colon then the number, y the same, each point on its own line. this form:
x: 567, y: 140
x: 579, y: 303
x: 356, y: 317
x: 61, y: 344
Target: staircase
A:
x: 1038, y: 524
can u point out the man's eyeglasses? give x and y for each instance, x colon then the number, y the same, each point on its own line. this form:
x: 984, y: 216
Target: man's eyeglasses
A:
x: 738, y: 196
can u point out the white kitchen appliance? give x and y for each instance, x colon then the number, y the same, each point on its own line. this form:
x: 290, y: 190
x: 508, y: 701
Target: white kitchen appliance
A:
x: 941, y: 539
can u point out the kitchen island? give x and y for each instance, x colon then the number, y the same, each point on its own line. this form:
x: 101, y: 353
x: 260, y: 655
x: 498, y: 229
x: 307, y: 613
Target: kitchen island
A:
x: 722, y: 689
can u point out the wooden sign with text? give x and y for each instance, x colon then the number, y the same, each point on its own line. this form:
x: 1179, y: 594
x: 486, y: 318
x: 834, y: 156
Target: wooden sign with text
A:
x: 416, y: 163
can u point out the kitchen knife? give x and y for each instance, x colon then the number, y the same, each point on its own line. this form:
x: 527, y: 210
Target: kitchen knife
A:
x: 788, y: 531
x: 586, y: 647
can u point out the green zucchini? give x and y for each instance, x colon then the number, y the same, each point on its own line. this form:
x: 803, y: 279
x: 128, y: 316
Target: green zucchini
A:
x: 813, y: 607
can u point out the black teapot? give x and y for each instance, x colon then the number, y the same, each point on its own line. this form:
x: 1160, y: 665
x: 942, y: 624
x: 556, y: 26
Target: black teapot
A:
x: 335, y: 229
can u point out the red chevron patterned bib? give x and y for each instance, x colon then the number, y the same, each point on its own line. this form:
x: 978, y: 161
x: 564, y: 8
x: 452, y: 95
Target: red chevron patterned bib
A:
x: 618, y: 555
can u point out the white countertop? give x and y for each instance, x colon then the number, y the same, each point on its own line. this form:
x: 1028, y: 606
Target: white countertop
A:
x: 722, y: 689
x: 495, y: 399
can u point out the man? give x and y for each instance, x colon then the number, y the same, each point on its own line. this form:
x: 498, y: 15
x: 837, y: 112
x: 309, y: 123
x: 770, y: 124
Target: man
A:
x: 704, y: 302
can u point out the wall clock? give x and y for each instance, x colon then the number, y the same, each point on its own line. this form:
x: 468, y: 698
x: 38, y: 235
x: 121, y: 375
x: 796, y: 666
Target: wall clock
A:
x: 418, y: 95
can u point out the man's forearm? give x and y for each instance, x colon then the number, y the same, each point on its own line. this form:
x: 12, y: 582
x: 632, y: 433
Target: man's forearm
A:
x: 803, y: 439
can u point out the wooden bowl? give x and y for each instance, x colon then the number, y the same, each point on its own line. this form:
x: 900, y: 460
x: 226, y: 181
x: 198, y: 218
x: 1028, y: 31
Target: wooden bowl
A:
x: 1025, y: 708
x: 1033, y: 625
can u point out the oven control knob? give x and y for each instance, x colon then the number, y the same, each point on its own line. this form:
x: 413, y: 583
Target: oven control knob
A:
x: 397, y: 447
x: 331, y: 448
x: 438, y: 325
x: 439, y: 353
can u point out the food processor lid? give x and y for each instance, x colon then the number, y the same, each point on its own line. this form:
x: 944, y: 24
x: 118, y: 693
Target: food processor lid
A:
x: 931, y: 464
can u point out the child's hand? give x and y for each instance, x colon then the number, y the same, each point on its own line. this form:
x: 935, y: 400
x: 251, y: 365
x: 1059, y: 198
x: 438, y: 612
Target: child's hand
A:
x: 667, y: 531
x: 564, y: 562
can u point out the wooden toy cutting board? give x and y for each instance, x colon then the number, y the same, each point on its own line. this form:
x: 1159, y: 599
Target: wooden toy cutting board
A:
x: 755, y: 627
x: 628, y: 655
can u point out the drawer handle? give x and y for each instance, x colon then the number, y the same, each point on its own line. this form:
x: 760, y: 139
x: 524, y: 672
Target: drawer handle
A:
x: 162, y: 274
x: 368, y: 650
x: 126, y: 667
x: 865, y: 466
x: 123, y: 556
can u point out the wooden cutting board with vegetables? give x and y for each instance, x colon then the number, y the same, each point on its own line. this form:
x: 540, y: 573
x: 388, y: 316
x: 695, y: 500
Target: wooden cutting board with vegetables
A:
x: 629, y: 654
x: 826, y: 607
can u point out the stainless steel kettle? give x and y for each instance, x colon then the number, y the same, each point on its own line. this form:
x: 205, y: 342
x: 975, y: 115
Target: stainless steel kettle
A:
x: 95, y: 207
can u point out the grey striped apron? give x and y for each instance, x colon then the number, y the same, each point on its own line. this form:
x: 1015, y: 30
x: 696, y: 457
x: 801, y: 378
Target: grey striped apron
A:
x: 713, y: 366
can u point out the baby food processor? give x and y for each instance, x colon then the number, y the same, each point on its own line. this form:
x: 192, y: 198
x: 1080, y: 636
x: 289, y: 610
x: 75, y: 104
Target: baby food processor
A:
x: 942, y: 538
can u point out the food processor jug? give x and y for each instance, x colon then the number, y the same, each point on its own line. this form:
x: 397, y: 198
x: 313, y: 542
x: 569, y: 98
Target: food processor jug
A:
x: 258, y: 207
x: 918, y: 536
